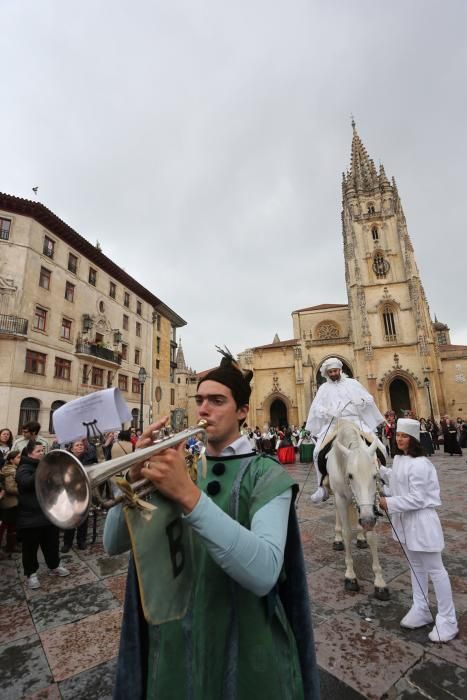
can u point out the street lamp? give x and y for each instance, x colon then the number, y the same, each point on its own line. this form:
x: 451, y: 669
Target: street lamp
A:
x: 427, y: 384
x: 117, y: 336
x: 142, y: 376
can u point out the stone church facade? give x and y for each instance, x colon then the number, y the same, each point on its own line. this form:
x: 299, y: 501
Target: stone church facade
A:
x: 384, y: 335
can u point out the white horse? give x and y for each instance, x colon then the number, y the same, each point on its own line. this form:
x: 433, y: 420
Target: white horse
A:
x: 352, y: 470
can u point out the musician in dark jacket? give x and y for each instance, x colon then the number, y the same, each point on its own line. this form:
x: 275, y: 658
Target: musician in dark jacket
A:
x: 35, y: 530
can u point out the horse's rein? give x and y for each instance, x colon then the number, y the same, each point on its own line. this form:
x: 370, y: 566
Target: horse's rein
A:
x: 358, y: 505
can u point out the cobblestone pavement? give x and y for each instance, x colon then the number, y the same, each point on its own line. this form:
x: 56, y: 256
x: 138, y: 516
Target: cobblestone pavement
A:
x: 60, y: 641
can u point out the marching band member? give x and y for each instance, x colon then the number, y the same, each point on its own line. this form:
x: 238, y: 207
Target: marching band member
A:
x: 247, y: 629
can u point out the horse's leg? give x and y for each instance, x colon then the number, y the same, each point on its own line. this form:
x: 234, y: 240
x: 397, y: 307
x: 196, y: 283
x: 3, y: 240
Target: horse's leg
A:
x: 338, y: 545
x: 361, y: 539
x: 381, y: 590
x: 355, y: 525
x: 351, y: 583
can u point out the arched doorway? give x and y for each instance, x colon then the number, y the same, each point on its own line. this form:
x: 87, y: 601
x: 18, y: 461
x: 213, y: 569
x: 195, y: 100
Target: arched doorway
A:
x: 278, y: 414
x: 320, y: 379
x: 400, y: 396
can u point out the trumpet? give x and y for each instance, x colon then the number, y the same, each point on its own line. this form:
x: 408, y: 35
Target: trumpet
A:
x: 64, y: 488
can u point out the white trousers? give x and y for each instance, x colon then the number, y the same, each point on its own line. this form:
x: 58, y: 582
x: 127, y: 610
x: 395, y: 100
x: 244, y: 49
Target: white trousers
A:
x: 430, y: 565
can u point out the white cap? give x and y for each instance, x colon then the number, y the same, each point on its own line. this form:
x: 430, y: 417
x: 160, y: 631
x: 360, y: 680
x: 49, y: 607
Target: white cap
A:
x: 409, y: 426
x: 330, y: 363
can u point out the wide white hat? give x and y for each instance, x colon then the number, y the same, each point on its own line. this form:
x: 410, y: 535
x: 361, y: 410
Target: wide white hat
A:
x: 409, y: 426
x: 330, y: 363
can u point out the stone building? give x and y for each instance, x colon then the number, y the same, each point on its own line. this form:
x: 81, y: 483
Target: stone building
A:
x: 383, y: 334
x: 186, y: 383
x: 72, y: 322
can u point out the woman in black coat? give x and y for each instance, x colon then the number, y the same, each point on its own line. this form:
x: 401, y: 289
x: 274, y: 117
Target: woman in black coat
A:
x: 35, y: 530
x: 451, y: 446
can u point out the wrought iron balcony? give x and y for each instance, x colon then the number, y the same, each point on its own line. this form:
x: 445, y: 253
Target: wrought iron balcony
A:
x: 13, y: 326
x: 83, y: 348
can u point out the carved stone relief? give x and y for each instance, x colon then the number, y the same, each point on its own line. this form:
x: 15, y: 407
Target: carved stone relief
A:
x: 7, y: 296
x: 275, y: 383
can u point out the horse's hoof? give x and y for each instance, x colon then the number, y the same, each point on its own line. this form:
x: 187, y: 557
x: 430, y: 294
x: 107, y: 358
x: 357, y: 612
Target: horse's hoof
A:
x: 382, y: 593
x: 338, y: 546
x: 351, y: 584
x: 362, y: 544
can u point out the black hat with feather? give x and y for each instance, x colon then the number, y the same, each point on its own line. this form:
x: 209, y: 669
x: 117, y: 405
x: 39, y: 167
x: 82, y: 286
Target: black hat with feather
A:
x: 230, y: 374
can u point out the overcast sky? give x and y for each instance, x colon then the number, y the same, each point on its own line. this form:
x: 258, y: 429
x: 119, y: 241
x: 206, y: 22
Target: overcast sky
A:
x: 202, y: 143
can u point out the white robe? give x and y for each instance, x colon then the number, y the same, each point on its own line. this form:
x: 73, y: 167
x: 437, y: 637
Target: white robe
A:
x: 347, y: 399
x: 413, y: 495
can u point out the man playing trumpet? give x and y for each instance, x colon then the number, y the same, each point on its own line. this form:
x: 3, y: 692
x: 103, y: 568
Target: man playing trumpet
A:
x: 246, y: 631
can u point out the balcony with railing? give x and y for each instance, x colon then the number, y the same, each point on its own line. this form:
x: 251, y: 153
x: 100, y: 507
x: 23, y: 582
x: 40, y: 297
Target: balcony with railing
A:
x: 13, y: 327
x: 102, y: 353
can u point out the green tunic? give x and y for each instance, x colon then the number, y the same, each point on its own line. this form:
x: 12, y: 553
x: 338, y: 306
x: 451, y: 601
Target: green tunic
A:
x: 230, y: 644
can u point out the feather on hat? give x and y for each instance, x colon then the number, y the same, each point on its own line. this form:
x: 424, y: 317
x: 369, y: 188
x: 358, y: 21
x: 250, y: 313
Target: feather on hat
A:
x: 230, y: 374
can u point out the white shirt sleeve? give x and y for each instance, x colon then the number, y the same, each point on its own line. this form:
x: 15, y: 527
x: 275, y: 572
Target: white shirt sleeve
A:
x: 423, y: 489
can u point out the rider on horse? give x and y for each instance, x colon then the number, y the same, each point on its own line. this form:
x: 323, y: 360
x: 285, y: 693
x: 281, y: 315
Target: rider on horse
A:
x: 338, y: 397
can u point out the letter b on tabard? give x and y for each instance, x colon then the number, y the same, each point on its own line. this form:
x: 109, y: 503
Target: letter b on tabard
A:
x: 174, y: 531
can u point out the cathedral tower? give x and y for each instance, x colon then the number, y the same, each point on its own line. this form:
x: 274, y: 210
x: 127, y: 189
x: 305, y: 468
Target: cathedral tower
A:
x: 395, y: 352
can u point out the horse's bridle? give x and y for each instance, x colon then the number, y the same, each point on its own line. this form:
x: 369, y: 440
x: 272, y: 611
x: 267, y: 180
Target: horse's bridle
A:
x: 377, y: 513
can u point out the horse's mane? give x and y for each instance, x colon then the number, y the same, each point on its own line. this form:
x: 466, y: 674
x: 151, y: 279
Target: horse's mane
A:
x: 348, y: 434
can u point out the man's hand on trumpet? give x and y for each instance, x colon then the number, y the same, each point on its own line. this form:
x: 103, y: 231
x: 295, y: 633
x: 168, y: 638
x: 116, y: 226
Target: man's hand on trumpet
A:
x: 167, y: 470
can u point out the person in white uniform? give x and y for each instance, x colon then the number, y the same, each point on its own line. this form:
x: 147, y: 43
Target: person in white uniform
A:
x: 338, y: 397
x: 414, y: 495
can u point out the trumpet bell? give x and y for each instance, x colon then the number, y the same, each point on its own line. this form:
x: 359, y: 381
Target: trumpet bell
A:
x: 63, y: 494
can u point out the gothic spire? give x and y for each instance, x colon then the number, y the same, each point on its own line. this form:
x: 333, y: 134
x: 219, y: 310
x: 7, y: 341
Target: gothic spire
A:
x: 362, y: 172
x: 180, y: 359
x: 383, y: 180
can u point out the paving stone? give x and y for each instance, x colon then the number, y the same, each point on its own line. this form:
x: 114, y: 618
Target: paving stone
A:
x: 11, y: 589
x: 81, y: 645
x: 320, y: 613
x: 24, y: 668
x: 92, y: 551
x: 96, y: 684
x: 456, y: 564
x: 328, y: 589
x: 318, y: 553
x: 15, y: 621
x: 79, y: 574
x: 62, y: 607
x: 109, y: 566
x: 50, y: 693
x: 434, y: 678
x: 365, y: 658
x: 454, y: 651
x: 334, y: 689
x: 387, y: 614
x: 116, y: 584
x: 362, y: 559
x: 81, y: 653
x: 404, y: 690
